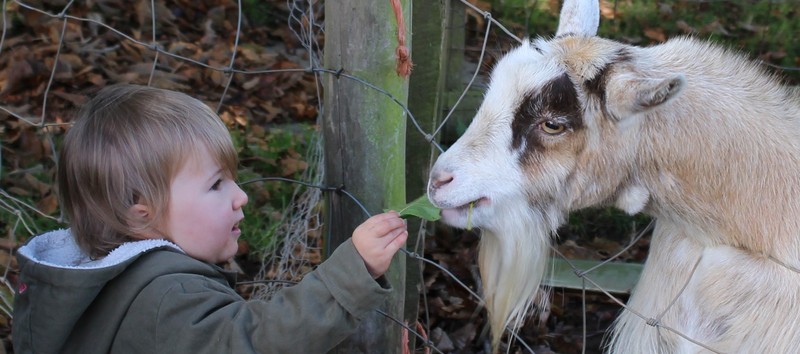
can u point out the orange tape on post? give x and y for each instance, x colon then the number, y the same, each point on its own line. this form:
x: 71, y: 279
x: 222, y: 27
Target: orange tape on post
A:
x: 404, y: 63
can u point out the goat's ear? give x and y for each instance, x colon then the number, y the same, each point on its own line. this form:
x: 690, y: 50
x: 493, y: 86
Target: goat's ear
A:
x: 628, y: 95
x: 579, y: 17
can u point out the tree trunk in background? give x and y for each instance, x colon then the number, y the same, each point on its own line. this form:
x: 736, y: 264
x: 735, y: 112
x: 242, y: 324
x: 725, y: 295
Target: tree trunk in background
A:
x: 364, y: 142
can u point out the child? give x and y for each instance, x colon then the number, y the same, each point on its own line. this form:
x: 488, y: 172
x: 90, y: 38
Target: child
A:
x: 147, y: 180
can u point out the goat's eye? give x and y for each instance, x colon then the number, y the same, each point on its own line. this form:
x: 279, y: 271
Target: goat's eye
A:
x: 552, y: 128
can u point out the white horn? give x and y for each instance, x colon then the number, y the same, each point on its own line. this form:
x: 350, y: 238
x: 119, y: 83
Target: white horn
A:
x: 579, y: 17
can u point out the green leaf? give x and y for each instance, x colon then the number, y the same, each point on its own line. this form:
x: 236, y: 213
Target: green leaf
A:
x: 421, y: 208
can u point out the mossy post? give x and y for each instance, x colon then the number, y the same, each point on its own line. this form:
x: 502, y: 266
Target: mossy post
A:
x: 426, y: 99
x: 364, y: 137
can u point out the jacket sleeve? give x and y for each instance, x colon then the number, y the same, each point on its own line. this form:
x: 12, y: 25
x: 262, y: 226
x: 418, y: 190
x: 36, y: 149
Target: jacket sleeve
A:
x: 195, y: 314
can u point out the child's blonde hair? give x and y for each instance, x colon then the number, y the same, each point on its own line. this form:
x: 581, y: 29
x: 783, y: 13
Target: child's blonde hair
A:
x: 125, y: 148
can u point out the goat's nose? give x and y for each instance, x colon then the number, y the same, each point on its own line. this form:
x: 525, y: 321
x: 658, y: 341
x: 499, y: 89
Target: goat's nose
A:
x: 440, y: 178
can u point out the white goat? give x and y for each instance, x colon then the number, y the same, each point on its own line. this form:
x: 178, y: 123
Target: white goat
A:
x: 690, y: 133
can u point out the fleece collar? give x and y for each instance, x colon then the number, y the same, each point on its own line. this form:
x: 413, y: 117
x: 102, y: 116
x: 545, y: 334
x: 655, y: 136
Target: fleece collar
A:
x: 59, y: 249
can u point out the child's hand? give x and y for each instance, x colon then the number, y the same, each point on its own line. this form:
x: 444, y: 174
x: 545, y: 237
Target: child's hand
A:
x: 378, y: 239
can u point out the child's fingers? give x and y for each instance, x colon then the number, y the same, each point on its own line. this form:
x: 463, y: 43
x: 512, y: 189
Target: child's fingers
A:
x: 391, y: 236
x: 397, y: 242
x: 378, y: 219
x: 387, y: 215
x: 383, y: 224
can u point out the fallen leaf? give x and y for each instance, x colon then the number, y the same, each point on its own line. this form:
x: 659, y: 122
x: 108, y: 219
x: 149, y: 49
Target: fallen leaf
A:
x: 290, y: 166
x: 656, y: 34
x: 76, y: 99
x: 250, y: 84
x: 685, y: 27
x: 48, y: 205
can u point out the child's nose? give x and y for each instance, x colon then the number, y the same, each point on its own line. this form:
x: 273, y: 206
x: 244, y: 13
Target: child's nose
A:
x: 240, y: 199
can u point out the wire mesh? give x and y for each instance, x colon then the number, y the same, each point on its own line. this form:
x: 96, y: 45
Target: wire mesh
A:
x: 79, y: 47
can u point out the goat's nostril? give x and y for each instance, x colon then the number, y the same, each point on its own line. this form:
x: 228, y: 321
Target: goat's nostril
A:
x: 441, y: 178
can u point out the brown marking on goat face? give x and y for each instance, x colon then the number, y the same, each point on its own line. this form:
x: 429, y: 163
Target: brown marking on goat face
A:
x: 596, y: 86
x: 556, y: 102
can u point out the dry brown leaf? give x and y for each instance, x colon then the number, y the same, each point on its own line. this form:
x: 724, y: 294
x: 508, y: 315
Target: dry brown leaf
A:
x: 132, y: 52
x: 20, y: 70
x: 30, y: 144
x: 19, y: 191
x: 571, y: 250
x: 250, y: 84
x: 37, y: 185
x: 127, y: 77
x: 33, y: 19
x: 162, y: 13
x: 314, y: 256
x: 217, y: 77
x: 75, y: 99
x: 254, y: 55
x: 48, y: 205
x: 71, y: 59
x: 715, y: 27
x: 183, y: 48
x: 241, y: 120
x: 291, y: 165
x: 258, y: 131
x: 656, y: 34
x: 608, y: 10
x: 220, y: 53
x: 685, y: 27
x: 97, y: 80
x: 8, y: 243
x: 271, y: 110
x: 227, y: 118
x: 752, y: 27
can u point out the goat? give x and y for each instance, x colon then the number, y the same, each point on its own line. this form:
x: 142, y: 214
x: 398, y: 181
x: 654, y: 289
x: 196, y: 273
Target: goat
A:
x: 692, y: 134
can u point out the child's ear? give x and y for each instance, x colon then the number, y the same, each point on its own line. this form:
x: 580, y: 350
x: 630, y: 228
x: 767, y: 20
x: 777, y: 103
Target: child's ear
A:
x: 141, y: 218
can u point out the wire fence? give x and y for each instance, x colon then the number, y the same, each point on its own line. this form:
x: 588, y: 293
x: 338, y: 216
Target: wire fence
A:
x: 78, y: 47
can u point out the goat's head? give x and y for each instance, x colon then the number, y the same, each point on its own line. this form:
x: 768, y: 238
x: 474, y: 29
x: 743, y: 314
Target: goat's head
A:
x: 555, y: 133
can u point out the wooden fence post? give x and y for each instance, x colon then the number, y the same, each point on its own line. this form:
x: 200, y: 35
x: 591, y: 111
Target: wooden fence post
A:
x: 426, y: 97
x: 364, y: 142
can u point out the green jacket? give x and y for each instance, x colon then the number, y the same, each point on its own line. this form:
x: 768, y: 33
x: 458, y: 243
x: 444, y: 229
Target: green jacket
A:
x: 149, y: 297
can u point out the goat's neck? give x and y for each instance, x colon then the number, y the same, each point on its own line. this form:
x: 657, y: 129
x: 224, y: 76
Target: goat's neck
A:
x: 740, y: 188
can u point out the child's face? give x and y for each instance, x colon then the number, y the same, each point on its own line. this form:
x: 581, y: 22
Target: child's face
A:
x: 205, y: 208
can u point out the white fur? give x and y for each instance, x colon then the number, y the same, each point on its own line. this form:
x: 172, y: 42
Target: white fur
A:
x: 689, y: 133
x: 633, y: 199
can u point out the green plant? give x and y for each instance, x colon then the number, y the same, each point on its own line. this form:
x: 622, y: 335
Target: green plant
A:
x: 269, y: 153
x: 25, y: 213
x: 260, y: 13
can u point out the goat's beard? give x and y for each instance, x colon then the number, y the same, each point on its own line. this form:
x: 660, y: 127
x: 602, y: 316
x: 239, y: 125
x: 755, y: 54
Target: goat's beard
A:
x: 513, y: 258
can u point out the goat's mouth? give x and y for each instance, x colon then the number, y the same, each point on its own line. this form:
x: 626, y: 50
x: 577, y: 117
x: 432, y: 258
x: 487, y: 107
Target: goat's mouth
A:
x: 482, y: 201
x: 464, y: 215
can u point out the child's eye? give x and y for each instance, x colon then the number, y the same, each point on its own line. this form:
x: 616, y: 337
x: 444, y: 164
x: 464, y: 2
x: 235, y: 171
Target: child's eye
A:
x: 216, y: 184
